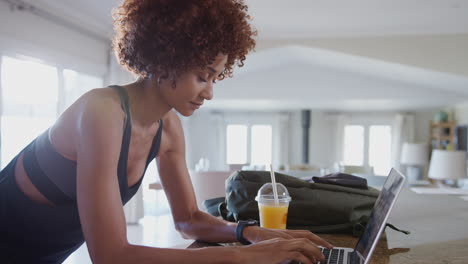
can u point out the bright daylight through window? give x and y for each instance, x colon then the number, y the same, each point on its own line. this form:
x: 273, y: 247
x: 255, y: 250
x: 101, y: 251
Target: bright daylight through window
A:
x: 30, y: 105
x: 249, y: 144
x: 236, y: 138
x: 368, y: 146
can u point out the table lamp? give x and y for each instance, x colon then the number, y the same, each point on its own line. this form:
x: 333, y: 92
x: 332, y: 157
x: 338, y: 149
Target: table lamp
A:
x: 447, y: 166
x: 415, y: 157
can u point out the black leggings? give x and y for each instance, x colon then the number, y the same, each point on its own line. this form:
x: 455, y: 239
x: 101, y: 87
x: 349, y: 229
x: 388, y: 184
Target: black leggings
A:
x: 31, y: 232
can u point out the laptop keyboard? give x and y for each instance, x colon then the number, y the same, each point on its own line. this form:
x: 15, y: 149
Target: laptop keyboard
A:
x: 333, y: 256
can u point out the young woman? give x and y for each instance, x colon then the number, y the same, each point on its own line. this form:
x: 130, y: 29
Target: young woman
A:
x: 68, y: 186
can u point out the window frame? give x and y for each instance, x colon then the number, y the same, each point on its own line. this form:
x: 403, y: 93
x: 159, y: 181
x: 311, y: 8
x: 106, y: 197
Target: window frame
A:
x: 367, y: 121
x: 249, y: 119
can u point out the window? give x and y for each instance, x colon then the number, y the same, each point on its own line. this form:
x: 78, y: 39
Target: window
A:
x: 354, y: 145
x: 249, y: 144
x: 236, y: 144
x: 261, y: 144
x: 31, y: 100
x: 76, y: 84
x: 29, y: 104
x: 368, y: 146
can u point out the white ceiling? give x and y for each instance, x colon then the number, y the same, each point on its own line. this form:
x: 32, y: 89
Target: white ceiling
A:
x: 309, y: 18
x: 338, y: 18
x: 293, y: 77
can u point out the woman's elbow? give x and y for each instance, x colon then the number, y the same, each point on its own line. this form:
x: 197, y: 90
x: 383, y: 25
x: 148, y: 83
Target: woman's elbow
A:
x: 188, y: 225
x: 185, y: 229
x: 115, y: 255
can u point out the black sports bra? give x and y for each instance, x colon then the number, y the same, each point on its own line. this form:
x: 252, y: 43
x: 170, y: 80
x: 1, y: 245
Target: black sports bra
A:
x: 55, y: 176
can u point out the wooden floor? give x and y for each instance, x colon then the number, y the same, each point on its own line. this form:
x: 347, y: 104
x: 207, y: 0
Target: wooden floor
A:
x: 155, y: 231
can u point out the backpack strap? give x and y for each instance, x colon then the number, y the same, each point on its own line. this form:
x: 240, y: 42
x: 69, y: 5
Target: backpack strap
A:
x: 399, y: 230
x: 359, y: 226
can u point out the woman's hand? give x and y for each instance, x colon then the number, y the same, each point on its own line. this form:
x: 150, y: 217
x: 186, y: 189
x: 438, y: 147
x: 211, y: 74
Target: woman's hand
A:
x: 255, y: 234
x: 281, y: 250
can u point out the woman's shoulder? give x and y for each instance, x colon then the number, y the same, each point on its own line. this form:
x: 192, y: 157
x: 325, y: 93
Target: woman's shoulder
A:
x: 171, y: 122
x: 173, y: 135
x: 100, y: 105
x: 101, y: 101
x: 98, y: 110
x: 105, y: 95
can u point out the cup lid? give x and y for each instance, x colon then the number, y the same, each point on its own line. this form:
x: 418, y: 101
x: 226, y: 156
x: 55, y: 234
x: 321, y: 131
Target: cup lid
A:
x: 265, y: 193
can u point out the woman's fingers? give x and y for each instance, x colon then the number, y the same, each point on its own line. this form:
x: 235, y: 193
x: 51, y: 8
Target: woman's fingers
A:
x: 301, y: 258
x: 287, y: 235
x: 278, y: 250
x: 311, y: 236
x: 305, y: 247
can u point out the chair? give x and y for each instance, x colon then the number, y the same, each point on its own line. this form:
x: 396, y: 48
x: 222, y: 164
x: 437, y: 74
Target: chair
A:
x: 209, y: 184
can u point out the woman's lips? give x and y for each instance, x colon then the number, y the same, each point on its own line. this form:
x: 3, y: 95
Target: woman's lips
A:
x: 196, y: 105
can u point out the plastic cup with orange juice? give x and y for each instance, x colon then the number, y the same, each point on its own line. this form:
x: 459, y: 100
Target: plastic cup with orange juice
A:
x: 273, y: 212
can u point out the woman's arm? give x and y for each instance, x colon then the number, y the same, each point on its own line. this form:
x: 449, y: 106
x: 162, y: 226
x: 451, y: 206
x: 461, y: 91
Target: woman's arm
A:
x: 271, y: 246
x: 188, y: 219
x: 98, y: 142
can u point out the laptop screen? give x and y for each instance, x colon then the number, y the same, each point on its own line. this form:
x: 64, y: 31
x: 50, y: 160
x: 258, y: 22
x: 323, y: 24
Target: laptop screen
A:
x: 379, y: 214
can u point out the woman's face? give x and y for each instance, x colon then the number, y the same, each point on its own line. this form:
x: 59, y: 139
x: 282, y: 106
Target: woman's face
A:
x: 194, y: 87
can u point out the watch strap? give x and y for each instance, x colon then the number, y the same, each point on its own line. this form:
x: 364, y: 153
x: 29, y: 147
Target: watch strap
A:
x: 241, y: 225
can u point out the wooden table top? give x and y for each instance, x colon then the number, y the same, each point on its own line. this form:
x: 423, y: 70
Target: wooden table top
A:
x: 438, y: 226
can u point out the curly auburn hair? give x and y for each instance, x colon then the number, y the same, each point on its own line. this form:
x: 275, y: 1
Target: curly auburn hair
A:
x: 174, y: 36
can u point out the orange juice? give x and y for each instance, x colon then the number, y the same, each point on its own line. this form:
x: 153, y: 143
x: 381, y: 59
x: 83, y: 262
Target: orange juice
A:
x: 273, y: 216
x: 273, y: 209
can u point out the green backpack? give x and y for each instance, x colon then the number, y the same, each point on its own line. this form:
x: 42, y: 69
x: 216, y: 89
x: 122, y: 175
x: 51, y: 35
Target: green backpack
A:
x: 320, y: 208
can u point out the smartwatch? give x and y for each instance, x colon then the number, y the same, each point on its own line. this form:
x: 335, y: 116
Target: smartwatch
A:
x: 240, y: 228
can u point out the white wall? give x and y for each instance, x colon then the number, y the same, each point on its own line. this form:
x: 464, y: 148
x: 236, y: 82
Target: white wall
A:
x: 421, y: 125
x: 295, y: 138
x: 322, y: 140
x: 203, y: 140
x: 27, y: 34
x: 461, y: 113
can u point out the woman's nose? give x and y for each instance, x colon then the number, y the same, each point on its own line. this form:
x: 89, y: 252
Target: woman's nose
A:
x: 207, y: 93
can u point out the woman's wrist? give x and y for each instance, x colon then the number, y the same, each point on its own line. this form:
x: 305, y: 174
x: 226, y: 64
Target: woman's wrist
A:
x: 250, y: 233
x: 225, y: 255
x: 236, y: 255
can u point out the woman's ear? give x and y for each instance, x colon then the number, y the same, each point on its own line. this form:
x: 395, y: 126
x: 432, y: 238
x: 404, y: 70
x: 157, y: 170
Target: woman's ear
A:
x: 159, y: 77
x: 172, y: 78
x: 163, y: 75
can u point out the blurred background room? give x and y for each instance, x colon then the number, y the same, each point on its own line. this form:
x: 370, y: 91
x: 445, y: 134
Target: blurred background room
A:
x: 333, y: 86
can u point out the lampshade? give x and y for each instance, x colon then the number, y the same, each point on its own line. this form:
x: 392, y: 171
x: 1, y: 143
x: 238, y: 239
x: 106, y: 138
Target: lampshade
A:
x: 414, y: 154
x: 447, y: 164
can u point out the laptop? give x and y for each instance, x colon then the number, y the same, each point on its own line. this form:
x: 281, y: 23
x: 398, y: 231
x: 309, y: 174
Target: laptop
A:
x: 362, y: 252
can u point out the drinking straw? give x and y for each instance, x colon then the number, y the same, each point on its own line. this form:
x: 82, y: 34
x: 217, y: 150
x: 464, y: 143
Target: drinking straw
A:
x: 273, y: 181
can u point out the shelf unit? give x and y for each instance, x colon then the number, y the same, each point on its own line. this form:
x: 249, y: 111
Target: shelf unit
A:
x: 442, y: 135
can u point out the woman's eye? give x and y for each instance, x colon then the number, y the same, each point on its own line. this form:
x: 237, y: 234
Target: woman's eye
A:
x: 201, y: 79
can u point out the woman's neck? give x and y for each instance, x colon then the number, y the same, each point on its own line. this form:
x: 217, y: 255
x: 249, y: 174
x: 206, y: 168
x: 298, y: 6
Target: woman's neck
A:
x: 146, y: 103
